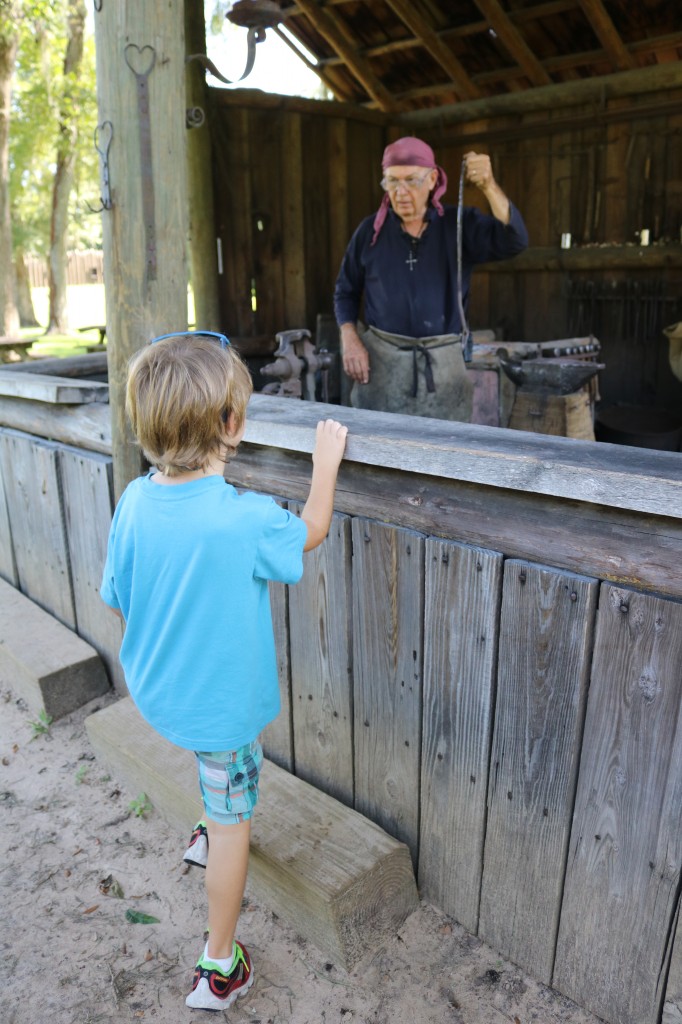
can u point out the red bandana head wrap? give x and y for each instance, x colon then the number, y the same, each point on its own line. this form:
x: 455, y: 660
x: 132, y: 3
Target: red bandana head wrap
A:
x: 409, y: 152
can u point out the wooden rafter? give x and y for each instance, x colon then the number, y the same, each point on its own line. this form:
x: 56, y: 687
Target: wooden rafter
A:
x: 513, y: 41
x: 318, y: 68
x: 463, y: 85
x: 327, y: 24
x: 605, y: 31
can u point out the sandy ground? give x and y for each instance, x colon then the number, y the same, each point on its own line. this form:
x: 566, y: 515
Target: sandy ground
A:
x: 75, y: 858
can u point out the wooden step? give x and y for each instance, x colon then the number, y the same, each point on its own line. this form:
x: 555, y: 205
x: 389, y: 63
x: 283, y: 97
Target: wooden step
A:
x: 41, y: 660
x: 328, y: 872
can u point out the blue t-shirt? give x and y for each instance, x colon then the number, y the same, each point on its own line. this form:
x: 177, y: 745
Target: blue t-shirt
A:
x: 188, y: 565
x: 410, y: 286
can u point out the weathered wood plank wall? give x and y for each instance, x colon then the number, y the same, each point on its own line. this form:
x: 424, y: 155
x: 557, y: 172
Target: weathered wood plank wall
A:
x: 516, y: 723
x: 294, y: 178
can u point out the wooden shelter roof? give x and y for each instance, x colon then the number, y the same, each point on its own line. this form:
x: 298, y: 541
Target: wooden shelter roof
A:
x: 399, y: 56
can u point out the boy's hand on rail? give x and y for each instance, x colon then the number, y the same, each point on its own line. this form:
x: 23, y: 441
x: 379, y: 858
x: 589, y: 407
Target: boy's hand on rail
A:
x: 330, y: 444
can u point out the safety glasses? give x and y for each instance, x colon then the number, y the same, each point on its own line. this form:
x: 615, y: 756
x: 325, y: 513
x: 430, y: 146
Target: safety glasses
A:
x: 213, y: 335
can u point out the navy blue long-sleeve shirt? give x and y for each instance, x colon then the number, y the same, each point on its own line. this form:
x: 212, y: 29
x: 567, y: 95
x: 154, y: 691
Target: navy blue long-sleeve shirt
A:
x: 420, y: 300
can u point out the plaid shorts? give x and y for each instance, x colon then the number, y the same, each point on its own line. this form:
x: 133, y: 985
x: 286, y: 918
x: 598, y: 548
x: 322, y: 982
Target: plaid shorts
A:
x: 229, y: 782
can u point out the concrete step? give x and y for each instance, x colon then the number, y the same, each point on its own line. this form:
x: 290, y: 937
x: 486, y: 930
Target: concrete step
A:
x: 41, y: 660
x: 328, y: 872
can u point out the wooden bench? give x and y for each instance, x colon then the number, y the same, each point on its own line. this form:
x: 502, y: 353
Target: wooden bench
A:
x: 43, y: 661
x: 331, y: 874
x: 14, y: 347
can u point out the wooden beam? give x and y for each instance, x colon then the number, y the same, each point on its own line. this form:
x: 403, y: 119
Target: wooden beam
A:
x: 436, y: 47
x: 327, y: 24
x: 599, y: 89
x: 605, y: 30
x: 318, y: 69
x: 513, y: 41
x: 202, y: 232
x: 145, y: 231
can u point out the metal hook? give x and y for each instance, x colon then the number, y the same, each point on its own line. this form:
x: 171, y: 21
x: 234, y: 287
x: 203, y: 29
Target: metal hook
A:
x: 100, y: 130
x: 256, y: 34
x: 98, y: 5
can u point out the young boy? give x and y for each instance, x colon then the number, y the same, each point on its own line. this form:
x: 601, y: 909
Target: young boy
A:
x: 187, y: 567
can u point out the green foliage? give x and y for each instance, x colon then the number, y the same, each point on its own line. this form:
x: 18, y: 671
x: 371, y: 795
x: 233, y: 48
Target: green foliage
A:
x: 41, y: 725
x: 44, y: 99
x: 140, y: 806
x: 137, y: 917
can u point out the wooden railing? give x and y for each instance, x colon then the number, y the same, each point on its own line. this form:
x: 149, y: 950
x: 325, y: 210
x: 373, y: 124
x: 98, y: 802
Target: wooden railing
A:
x: 483, y: 657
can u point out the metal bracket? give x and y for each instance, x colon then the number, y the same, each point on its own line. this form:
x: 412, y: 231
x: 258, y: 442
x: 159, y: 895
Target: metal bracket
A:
x: 105, y: 128
x: 146, y: 57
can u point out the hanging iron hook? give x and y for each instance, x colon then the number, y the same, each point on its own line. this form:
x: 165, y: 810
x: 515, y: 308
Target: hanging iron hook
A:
x: 107, y: 128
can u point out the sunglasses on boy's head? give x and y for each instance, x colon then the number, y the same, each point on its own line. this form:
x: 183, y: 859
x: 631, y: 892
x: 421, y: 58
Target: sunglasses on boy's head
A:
x: 224, y: 341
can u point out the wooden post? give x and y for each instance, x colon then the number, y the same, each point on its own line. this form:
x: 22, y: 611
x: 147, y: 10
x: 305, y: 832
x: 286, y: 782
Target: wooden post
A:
x: 145, y: 231
x: 202, y: 232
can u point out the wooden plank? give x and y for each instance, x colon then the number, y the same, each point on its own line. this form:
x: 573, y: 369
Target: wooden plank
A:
x: 86, y: 426
x: 461, y: 615
x: 293, y: 231
x: 8, y: 568
x: 613, y: 475
x: 546, y: 630
x: 58, y: 390
x: 638, y: 550
x: 266, y: 221
x: 321, y: 671
x: 233, y: 206
x: 88, y: 506
x: 33, y: 490
x: 90, y: 367
x: 329, y: 873
x: 145, y: 232
x: 625, y: 858
x: 277, y: 737
x: 672, y: 1007
x: 599, y: 88
x: 47, y: 665
x: 388, y: 615
x: 340, y: 228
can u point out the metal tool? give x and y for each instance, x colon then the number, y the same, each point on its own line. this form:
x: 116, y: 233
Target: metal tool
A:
x: 467, y: 337
x: 146, y: 57
x: 296, y: 363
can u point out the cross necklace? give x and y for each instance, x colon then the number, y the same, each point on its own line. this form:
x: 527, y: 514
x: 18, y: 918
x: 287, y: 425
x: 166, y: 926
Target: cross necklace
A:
x: 413, y: 258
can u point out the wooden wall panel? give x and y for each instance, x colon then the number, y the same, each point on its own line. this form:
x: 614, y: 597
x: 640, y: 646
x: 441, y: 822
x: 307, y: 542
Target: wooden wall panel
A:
x: 88, y: 506
x: 232, y: 155
x: 8, y: 569
x: 543, y: 669
x: 388, y: 615
x: 461, y: 618
x: 321, y: 665
x: 293, y: 225
x: 277, y: 737
x: 30, y: 469
x: 265, y: 128
x: 623, y: 879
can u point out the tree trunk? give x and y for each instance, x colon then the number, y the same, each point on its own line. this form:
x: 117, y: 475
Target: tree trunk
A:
x: 63, y: 178
x: 27, y: 316
x: 9, y: 315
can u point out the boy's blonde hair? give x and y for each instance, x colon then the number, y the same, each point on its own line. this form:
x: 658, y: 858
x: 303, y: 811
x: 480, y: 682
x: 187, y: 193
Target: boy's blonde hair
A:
x: 179, y: 396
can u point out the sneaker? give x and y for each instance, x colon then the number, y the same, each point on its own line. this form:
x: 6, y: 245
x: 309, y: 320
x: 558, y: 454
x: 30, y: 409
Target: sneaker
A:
x: 197, y: 851
x: 213, y: 990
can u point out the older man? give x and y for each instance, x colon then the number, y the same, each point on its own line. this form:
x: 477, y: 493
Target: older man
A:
x: 407, y: 356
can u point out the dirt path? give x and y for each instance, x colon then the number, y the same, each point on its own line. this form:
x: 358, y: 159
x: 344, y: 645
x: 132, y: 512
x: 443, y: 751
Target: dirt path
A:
x: 75, y: 859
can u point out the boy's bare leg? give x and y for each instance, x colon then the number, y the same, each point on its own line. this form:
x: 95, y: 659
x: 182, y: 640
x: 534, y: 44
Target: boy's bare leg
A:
x: 228, y: 860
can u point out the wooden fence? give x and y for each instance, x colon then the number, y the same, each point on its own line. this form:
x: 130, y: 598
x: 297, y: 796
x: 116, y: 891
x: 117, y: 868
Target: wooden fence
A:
x: 483, y: 657
x: 82, y: 267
